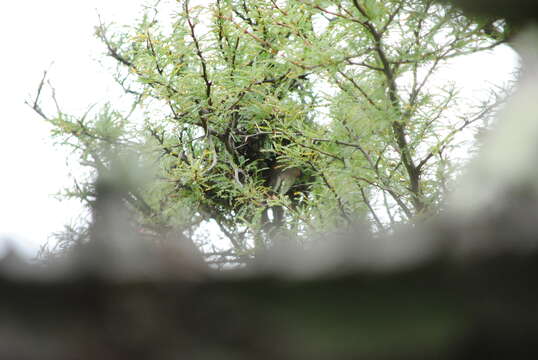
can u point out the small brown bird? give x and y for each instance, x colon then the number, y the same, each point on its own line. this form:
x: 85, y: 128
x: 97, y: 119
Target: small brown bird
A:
x: 283, y: 179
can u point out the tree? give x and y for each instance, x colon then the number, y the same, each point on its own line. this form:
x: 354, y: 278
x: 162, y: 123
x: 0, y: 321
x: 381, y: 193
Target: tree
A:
x: 234, y: 93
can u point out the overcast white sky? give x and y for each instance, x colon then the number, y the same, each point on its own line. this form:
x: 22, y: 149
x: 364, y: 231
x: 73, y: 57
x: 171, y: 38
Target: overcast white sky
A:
x: 36, y: 33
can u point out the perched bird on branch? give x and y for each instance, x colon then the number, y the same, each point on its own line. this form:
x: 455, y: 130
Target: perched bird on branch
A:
x: 283, y: 179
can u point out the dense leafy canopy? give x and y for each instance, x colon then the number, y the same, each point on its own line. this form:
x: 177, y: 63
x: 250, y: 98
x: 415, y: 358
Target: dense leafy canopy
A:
x: 235, y: 93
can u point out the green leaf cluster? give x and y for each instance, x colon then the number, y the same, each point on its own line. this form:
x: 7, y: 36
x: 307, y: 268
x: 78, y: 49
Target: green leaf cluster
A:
x: 235, y: 90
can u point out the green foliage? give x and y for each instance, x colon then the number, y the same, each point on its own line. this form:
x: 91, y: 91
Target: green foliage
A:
x: 236, y: 90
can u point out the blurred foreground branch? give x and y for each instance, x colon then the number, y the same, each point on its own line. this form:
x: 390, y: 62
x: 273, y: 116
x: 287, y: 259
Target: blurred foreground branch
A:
x: 488, y: 310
